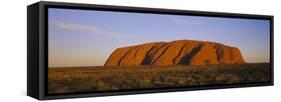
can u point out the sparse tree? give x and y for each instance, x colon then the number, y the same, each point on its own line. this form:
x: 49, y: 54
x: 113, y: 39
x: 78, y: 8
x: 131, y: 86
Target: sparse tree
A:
x: 207, y: 61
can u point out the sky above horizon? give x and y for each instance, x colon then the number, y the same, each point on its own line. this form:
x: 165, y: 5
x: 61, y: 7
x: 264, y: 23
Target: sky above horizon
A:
x: 88, y: 37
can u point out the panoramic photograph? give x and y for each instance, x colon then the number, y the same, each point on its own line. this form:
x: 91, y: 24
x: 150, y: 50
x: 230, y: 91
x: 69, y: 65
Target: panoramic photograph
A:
x: 98, y: 51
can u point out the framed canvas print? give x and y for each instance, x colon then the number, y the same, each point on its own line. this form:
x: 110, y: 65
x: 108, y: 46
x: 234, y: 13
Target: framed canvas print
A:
x: 82, y: 50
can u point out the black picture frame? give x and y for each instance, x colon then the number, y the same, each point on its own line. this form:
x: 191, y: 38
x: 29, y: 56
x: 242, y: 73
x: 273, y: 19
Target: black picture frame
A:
x: 37, y: 48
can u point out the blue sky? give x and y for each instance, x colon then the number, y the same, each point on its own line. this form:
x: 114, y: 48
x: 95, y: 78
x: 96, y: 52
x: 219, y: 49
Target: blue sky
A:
x: 87, y: 37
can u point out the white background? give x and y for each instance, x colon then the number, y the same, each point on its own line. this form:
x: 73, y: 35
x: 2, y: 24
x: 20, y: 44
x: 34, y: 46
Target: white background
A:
x: 13, y: 51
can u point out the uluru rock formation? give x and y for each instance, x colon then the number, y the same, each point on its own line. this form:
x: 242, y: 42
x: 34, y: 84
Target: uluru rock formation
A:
x: 179, y: 52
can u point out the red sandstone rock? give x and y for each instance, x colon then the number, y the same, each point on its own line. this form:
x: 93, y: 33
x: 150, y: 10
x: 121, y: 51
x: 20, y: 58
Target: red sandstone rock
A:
x: 180, y: 52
